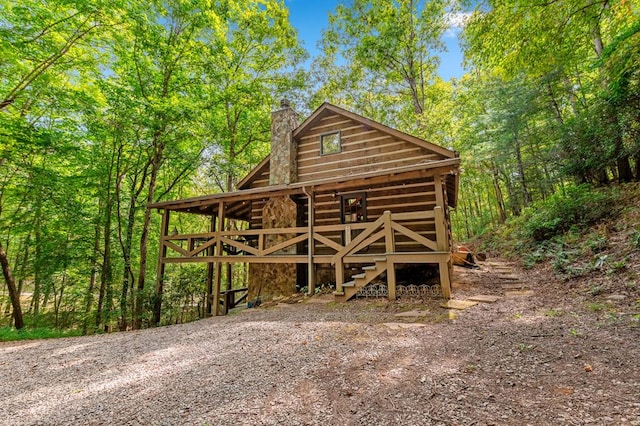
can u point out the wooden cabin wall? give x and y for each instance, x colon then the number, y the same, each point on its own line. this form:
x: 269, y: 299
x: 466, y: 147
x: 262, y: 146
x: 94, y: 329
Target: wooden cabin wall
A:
x: 401, y: 197
x: 363, y: 150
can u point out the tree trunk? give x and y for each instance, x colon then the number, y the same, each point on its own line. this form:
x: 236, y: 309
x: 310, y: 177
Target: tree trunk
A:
x: 105, y: 298
x: 526, y: 197
x: 88, y: 299
x: 37, y: 267
x: 11, y: 287
x: 623, y: 165
x: 127, y: 272
x: 499, y: 198
x: 144, y: 238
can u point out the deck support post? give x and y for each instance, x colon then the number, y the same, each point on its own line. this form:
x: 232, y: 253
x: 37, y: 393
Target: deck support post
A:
x: 210, y: 252
x: 311, y: 267
x: 442, y: 238
x: 443, y: 246
x: 339, y: 275
x: 389, y: 241
x: 164, y: 230
x: 216, y: 291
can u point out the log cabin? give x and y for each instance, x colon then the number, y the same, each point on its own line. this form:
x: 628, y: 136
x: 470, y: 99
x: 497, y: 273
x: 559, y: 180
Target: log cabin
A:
x: 340, y: 199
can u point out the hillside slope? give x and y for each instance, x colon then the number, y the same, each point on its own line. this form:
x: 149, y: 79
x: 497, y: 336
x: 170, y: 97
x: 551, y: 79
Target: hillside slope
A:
x: 589, y: 240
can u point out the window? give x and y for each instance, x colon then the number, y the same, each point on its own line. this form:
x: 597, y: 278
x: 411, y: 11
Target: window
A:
x: 354, y: 208
x: 330, y: 143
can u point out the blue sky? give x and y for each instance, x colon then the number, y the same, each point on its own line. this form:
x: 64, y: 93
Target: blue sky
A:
x: 309, y: 17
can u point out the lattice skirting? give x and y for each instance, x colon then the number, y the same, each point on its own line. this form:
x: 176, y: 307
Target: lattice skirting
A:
x: 373, y: 290
x: 407, y: 291
x: 413, y: 290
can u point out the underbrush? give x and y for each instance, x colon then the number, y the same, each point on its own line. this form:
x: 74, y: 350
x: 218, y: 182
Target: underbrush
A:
x: 10, y: 333
x: 583, y: 232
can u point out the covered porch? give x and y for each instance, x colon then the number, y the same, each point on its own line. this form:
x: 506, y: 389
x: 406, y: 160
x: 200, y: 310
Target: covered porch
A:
x: 402, y: 233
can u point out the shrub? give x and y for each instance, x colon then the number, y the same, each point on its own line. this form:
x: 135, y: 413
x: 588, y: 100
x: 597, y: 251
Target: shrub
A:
x: 579, y: 207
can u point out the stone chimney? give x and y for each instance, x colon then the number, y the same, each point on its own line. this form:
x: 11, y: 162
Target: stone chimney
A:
x: 284, y: 150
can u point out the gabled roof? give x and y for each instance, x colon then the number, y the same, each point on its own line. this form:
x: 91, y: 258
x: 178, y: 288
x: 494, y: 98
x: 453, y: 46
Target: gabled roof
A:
x: 329, y: 109
x: 326, y: 108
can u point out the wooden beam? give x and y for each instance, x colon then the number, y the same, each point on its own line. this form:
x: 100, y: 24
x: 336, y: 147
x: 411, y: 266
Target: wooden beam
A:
x: 164, y: 230
x: 414, y: 236
x: 284, y: 244
x: 311, y: 267
x: 210, y: 270
x: 439, y: 191
x: 328, y: 242
x: 426, y: 169
x: 442, y: 240
x: 391, y: 279
x: 389, y: 240
x: 216, y: 290
x: 372, y: 227
x: 175, y: 247
x: 291, y: 258
x: 445, y: 280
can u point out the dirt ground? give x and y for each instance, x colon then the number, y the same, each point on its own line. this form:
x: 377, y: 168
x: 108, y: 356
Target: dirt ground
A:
x: 545, y: 353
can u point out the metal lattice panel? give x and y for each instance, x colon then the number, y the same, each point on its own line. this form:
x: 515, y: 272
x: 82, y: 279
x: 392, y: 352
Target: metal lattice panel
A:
x: 373, y: 290
x: 415, y: 291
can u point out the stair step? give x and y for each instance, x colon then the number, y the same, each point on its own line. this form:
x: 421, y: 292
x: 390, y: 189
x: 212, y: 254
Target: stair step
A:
x: 349, y: 284
x: 380, y: 259
x: 370, y: 268
x: 358, y: 276
x: 338, y: 293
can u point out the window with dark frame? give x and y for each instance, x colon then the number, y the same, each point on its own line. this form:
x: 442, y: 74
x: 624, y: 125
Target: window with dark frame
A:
x: 353, y: 208
x: 330, y: 143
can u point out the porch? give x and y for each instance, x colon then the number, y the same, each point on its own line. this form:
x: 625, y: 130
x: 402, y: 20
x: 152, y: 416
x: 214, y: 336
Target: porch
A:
x: 416, y: 231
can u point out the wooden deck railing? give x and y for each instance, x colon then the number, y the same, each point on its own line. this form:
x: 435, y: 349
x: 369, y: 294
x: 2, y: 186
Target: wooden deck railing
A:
x: 251, y: 245
x: 386, y: 227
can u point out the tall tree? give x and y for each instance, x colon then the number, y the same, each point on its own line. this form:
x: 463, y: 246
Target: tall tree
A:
x: 565, y: 42
x: 381, y: 57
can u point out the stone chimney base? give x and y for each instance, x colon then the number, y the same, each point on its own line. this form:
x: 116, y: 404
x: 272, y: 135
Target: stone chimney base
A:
x: 268, y: 280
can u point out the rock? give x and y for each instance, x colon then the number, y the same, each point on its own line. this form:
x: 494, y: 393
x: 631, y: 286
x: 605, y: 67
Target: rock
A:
x: 616, y: 297
x: 412, y: 314
x: 485, y: 298
x: 458, y: 304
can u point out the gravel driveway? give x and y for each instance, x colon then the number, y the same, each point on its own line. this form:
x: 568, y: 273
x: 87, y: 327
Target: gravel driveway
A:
x: 338, y: 364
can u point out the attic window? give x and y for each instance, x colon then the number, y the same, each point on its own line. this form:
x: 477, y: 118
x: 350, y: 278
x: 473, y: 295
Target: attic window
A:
x: 330, y: 143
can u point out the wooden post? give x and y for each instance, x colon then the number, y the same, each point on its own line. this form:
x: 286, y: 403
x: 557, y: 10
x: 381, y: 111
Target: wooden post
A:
x: 389, y: 242
x: 157, y: 306
x: 442, y: 242
x: 441, y: 231
x: 339, y: 275
x: 391, y: 280
x: 437, y: 183
x: 389, y: 238
x: 210, y: 252
x: 445, y: 280
x: 311, y: 268
x: 216, y: 291
x: 442, y: 238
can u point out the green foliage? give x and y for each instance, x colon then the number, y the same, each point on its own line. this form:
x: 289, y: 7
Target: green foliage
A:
x: 11, y: 334
x: 553, y: 313
x: 579, y: 206
x: 597, y: 307
x: 105, y: 108
x: 635, y: 238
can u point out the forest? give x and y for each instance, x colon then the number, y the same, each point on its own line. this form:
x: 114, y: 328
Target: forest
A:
x: 106, y: 107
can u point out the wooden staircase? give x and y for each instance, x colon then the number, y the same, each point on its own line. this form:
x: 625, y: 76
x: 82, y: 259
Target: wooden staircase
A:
x: 350, y: 288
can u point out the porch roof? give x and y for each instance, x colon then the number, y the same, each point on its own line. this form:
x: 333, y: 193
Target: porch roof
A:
x: 237, y: 206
